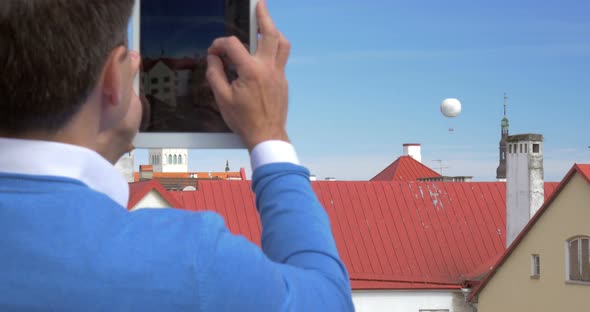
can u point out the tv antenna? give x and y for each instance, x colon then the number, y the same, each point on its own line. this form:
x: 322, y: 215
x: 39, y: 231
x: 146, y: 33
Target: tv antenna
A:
x: 440, y: 166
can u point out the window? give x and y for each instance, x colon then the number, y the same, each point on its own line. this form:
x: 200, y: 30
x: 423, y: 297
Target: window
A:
x: 175, y: 159
x: 509, y: 148
x: 154, y: 91
x: 535, y: 266
x: 170, y: 159
x: 167, y: 79
x: 154, y: 80
x: 166, y: 90
x: 180, y: 159
x: 579, y: 259
x: 536, y: 148
x: 521, y: 148
x: 503, y: 155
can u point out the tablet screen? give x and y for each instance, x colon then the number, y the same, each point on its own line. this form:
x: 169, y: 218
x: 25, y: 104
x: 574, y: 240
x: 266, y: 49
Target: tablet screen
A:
x: 174, y: 38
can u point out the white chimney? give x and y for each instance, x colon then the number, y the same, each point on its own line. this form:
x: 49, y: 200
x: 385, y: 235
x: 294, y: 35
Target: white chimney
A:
x: 125, y: 166
x: 525, y: 187
x: 413, y: 150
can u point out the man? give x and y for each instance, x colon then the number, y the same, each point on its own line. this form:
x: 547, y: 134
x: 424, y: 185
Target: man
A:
x: 68, y: 243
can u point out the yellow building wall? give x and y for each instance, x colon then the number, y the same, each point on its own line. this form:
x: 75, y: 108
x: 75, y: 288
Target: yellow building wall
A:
x: 513, y: 289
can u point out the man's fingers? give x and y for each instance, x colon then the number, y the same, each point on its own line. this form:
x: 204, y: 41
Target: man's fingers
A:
x: 217, y: 79
x: 269, y: 35
x: 283, y: 53
x: 232, y: 48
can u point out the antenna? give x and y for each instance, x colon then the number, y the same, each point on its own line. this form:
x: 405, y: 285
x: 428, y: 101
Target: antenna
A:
x: 505, y: 99
x: 440, y: 167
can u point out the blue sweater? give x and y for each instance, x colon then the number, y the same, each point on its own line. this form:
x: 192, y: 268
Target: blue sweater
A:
x: 65, y: 247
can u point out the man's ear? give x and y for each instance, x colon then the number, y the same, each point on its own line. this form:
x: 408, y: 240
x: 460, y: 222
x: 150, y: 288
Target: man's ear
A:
x: 114, y: 97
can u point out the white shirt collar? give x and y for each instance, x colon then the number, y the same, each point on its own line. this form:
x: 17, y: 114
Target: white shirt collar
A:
x: 63, y: 160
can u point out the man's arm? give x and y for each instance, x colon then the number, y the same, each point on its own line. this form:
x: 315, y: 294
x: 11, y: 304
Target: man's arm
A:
x: 298, y: 268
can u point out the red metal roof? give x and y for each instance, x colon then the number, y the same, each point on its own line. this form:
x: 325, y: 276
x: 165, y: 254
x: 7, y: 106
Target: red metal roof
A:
x: 405, y: 168
x: 234, y: 200
x: 584, y: 170
x: 390, y: 235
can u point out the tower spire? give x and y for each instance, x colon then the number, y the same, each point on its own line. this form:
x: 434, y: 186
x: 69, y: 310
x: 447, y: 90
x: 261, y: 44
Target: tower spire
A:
x: 505, y: 130
x: 505, y: 103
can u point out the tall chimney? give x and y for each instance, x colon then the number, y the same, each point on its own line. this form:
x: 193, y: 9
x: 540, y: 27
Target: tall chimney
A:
x: 525, y: 190
x: 125, y: 166
x: 413, y: 150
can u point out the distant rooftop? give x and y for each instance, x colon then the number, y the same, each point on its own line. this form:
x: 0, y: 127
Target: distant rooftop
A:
x: 405, y: 168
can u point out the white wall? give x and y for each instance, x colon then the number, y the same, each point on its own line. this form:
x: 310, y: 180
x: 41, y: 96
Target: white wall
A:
x: 161, y: 71
x: 408, y: 301
x: 171, y: 167
x: 152, y: 200
x: 165, y: 165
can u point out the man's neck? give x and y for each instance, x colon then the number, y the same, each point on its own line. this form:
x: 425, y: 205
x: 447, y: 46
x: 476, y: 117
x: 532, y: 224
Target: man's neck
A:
x: 82, y: 131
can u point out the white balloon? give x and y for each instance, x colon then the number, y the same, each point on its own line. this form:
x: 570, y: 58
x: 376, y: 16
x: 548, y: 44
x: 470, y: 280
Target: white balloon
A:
x: 450, y: 107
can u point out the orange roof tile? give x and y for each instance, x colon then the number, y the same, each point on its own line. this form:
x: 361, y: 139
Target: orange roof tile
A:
x: 186, y: 175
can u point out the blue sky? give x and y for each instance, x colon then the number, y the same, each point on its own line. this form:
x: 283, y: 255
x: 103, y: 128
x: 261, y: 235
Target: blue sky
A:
x: 367, y: 76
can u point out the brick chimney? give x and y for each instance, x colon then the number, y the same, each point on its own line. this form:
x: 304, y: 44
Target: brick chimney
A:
x: 525, y: 187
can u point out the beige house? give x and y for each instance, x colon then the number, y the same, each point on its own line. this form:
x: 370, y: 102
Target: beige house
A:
x: 547, y: 267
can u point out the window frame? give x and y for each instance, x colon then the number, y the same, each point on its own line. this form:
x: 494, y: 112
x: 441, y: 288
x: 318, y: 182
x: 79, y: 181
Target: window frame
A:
x: 568, y: 243
x: 535, y: 266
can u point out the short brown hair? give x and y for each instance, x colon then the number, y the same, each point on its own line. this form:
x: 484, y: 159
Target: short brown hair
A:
x: 51, y: 55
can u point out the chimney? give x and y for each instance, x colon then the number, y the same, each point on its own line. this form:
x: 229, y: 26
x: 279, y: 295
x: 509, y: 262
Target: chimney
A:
x: 525, y: 187
x: 125, y: 166
x: 413, y: 150
x: 146, y: 172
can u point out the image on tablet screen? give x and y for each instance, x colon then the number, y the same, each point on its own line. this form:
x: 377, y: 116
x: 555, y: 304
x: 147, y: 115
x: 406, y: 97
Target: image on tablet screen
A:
x: 174, y: 38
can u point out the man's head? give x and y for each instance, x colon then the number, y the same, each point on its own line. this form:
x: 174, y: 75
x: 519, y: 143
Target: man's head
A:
x: 55, y: 55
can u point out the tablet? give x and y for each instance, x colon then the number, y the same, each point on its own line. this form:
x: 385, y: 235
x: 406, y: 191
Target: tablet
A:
x: 172, y: 37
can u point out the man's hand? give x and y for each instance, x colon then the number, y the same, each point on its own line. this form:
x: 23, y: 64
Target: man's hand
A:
x: 255, y: 105
x: 115, y: 142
